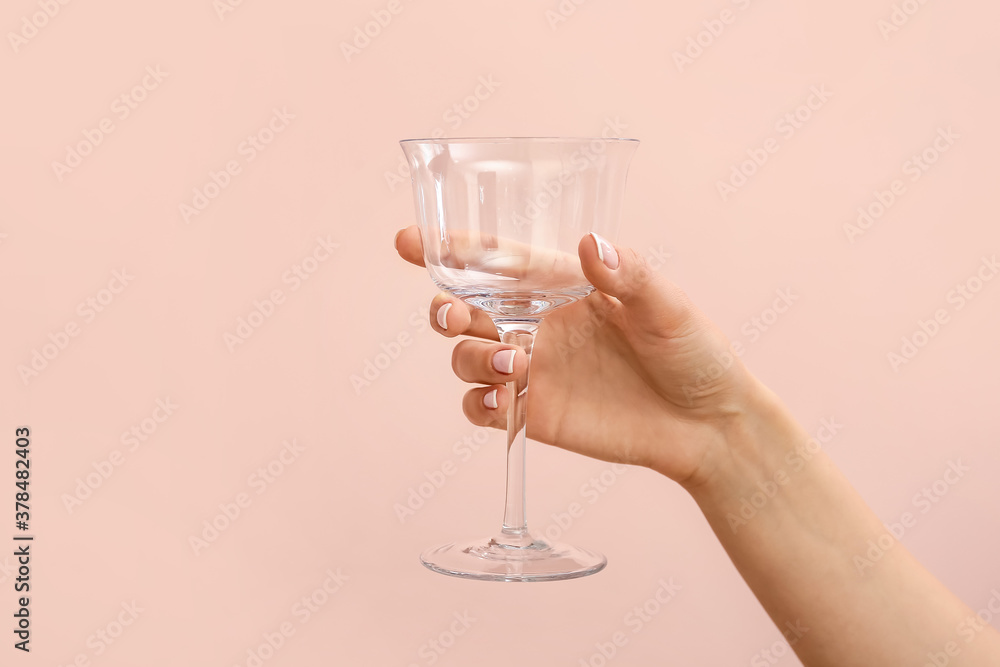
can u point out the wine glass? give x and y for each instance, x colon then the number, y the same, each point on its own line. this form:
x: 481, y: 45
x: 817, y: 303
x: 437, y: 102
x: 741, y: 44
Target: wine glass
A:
x: 501, y: 220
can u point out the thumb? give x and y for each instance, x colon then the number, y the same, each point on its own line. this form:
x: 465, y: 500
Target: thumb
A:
x: 624, y: 274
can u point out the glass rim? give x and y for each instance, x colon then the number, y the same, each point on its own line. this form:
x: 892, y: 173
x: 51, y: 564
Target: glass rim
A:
x: 508, y: 140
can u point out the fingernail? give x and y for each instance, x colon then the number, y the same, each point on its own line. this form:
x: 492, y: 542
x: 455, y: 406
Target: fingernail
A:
x: 503, y: 361
x: 490, y: 400
x: 606, y: 252
x: 395, y: 240
x: 442, y: 315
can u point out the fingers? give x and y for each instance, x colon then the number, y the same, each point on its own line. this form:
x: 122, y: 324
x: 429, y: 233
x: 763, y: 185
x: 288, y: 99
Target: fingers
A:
x: 493, y: 365
x: 624, y: 274
x: 488, y: 363
x: 487, y: 406
x: 409, y: 246
x: 548, y: 269
x: 450, y: 316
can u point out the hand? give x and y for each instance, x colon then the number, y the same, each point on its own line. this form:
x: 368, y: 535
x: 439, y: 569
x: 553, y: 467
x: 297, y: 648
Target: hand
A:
x: 632, y: 374
x: 636, y: 374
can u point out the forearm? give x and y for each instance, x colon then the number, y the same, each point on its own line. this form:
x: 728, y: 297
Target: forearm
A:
x: 793, y: 525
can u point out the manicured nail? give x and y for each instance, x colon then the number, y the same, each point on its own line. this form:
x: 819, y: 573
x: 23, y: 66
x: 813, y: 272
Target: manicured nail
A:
x: 490, y: 400
x: 606, y: 252
x: 503, y: 361
x: 395, y: 240
x: 442, y: 315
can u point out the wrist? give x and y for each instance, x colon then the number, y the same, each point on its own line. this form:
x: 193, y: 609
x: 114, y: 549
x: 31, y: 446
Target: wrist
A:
x: 748, y: 448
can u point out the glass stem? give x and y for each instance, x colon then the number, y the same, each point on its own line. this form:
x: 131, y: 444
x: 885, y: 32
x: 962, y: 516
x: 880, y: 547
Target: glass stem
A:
x: 520, y: 333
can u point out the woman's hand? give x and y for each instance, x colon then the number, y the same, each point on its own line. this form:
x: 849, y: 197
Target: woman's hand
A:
x: 633, y: 374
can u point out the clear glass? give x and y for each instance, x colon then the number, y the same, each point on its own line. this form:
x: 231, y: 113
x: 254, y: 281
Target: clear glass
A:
x: 501, y: 220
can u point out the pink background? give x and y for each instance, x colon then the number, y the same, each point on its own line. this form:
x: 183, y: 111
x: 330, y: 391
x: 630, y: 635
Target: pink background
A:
x: 324, y: 175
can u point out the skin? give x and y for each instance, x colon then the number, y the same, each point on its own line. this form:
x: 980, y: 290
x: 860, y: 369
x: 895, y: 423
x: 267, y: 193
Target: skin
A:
x: 639, y: 347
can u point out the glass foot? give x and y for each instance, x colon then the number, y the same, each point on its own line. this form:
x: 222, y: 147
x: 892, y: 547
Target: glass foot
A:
x: 512, y: 558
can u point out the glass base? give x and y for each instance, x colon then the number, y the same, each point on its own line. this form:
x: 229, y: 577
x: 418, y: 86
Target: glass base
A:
x: 512, y: 557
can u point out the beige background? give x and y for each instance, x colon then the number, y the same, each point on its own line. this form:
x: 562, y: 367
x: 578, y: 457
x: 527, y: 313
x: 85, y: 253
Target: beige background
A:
x: 278, y: 72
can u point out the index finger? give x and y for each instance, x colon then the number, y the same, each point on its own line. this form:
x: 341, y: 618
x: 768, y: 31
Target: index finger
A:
x: 474, y: 250
x: 409, y: 246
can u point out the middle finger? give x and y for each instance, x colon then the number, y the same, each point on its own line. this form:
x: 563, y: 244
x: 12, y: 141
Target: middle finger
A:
x: 488, y: 363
